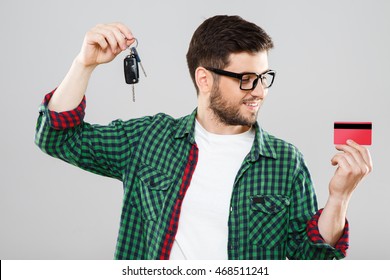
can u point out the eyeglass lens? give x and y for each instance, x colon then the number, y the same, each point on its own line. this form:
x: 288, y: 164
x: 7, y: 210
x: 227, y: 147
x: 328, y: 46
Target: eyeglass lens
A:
x: 249, y: 81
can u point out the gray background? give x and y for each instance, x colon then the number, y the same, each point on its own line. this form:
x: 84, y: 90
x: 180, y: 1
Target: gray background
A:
x: 332, y: 59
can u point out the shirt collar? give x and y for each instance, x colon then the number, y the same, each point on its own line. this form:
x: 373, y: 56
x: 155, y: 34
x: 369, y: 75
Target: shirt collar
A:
x: 186, y: 127
x: 262, y: 145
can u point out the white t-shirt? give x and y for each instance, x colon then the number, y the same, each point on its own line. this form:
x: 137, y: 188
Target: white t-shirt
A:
x: 203, y: 224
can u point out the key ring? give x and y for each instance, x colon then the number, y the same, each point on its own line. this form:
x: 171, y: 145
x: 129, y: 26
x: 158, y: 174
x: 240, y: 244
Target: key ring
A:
x: 136, y: 43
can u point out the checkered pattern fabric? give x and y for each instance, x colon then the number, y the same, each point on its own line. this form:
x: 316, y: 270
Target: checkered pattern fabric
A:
x: 273, y: 209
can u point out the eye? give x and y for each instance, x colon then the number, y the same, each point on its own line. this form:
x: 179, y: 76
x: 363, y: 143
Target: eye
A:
x: 267, y: 79
x: 247, y: 78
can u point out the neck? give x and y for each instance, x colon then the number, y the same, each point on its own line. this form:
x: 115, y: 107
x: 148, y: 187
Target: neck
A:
x: 211, y: 123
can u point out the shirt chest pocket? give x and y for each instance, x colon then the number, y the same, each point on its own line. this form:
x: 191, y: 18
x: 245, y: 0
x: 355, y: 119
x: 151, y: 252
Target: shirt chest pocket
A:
x: 268, y: 221
x: 151, y: 193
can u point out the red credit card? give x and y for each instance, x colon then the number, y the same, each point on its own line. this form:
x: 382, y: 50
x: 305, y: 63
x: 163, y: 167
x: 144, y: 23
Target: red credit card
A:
x: 360, y: 132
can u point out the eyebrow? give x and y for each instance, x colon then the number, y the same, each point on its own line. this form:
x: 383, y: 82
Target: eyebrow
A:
x: 248, y: 72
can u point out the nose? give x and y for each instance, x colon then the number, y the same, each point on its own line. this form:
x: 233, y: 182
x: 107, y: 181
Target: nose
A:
x: 259, y: 91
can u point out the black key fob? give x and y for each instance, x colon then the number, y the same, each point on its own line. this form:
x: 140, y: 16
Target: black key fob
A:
x: 130, y: 65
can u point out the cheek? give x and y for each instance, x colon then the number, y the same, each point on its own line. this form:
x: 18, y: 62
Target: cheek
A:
x: 231, y: 91
x: 233, y: 85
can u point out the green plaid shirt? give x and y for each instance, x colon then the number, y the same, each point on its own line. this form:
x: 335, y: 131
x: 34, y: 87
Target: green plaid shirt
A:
x: 273, y: 205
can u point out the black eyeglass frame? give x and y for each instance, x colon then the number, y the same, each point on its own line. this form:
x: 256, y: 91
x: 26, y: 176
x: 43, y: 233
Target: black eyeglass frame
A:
x: 240, y: 75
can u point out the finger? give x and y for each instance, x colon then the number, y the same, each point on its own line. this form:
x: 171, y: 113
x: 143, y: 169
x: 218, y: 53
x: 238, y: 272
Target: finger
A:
x: 360, y: 154
x: 120, y: 38
x: 335, y: 160
x: 353, y: 164
x: 129, y: 42
x: 342, y: 162
x: 108, y: 36
x: 354, y: 152
x: 96, y: 38
x: 349, y: 165
x: 363, y: 151
x: 124, y: 30
x: 358, y: 165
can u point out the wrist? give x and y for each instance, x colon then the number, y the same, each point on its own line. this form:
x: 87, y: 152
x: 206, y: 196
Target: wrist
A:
x: 340, y: 201
x: 338, y: 193
x: 80, y: 65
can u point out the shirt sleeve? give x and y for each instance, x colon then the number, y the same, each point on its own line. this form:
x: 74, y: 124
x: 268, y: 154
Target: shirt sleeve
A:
x: 102, y: 149
x: 67, y: 119
x: 314, y: 234
x: 304, y: 241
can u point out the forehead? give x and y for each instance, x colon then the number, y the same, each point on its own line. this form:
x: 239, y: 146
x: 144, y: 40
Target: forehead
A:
x: 248, y: 62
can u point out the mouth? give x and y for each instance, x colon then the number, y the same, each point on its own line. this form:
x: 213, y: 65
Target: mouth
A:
x: 252, y: 104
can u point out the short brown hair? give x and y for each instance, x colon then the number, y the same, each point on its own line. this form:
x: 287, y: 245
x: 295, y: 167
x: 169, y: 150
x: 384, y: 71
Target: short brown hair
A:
x: 219, y: 36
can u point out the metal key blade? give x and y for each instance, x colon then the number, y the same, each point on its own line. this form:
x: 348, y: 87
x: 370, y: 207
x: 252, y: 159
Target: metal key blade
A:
x: 143, y: 70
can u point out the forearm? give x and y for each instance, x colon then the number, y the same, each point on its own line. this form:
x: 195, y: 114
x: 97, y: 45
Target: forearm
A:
x: 332, y: 220
x: 72, y: 89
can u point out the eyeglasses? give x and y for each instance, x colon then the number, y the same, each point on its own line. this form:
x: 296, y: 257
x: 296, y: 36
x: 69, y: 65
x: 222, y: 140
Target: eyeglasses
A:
x: 248, y: 80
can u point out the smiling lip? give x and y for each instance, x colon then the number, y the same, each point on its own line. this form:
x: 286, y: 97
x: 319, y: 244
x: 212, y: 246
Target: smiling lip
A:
x: 252, y: 104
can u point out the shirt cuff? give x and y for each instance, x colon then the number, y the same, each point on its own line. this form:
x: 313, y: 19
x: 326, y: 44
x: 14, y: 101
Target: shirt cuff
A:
x: 66, y: 119
x: 315, y: 236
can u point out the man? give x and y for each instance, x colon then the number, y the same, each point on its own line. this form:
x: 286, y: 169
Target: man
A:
x: 213, y: 184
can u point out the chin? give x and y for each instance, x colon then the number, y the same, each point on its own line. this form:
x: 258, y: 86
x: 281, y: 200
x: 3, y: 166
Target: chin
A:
x: 251, y: 120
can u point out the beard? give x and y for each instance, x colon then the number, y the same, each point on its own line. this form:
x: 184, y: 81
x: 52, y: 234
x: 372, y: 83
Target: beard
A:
x: 229, y: 114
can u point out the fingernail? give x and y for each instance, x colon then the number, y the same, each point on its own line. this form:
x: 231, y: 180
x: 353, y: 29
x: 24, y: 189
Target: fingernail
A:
x: 349, y: 141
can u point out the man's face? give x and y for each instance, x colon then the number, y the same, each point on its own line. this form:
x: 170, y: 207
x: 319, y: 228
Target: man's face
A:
x: 230, y: 104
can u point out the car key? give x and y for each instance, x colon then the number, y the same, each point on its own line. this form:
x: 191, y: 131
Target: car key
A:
x: 131, y: 70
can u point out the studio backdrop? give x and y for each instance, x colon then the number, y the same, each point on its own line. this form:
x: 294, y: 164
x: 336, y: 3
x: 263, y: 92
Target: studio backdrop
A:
x: 332, y: 62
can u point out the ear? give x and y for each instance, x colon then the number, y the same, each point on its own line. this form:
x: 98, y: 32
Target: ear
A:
x: 204, y: 80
